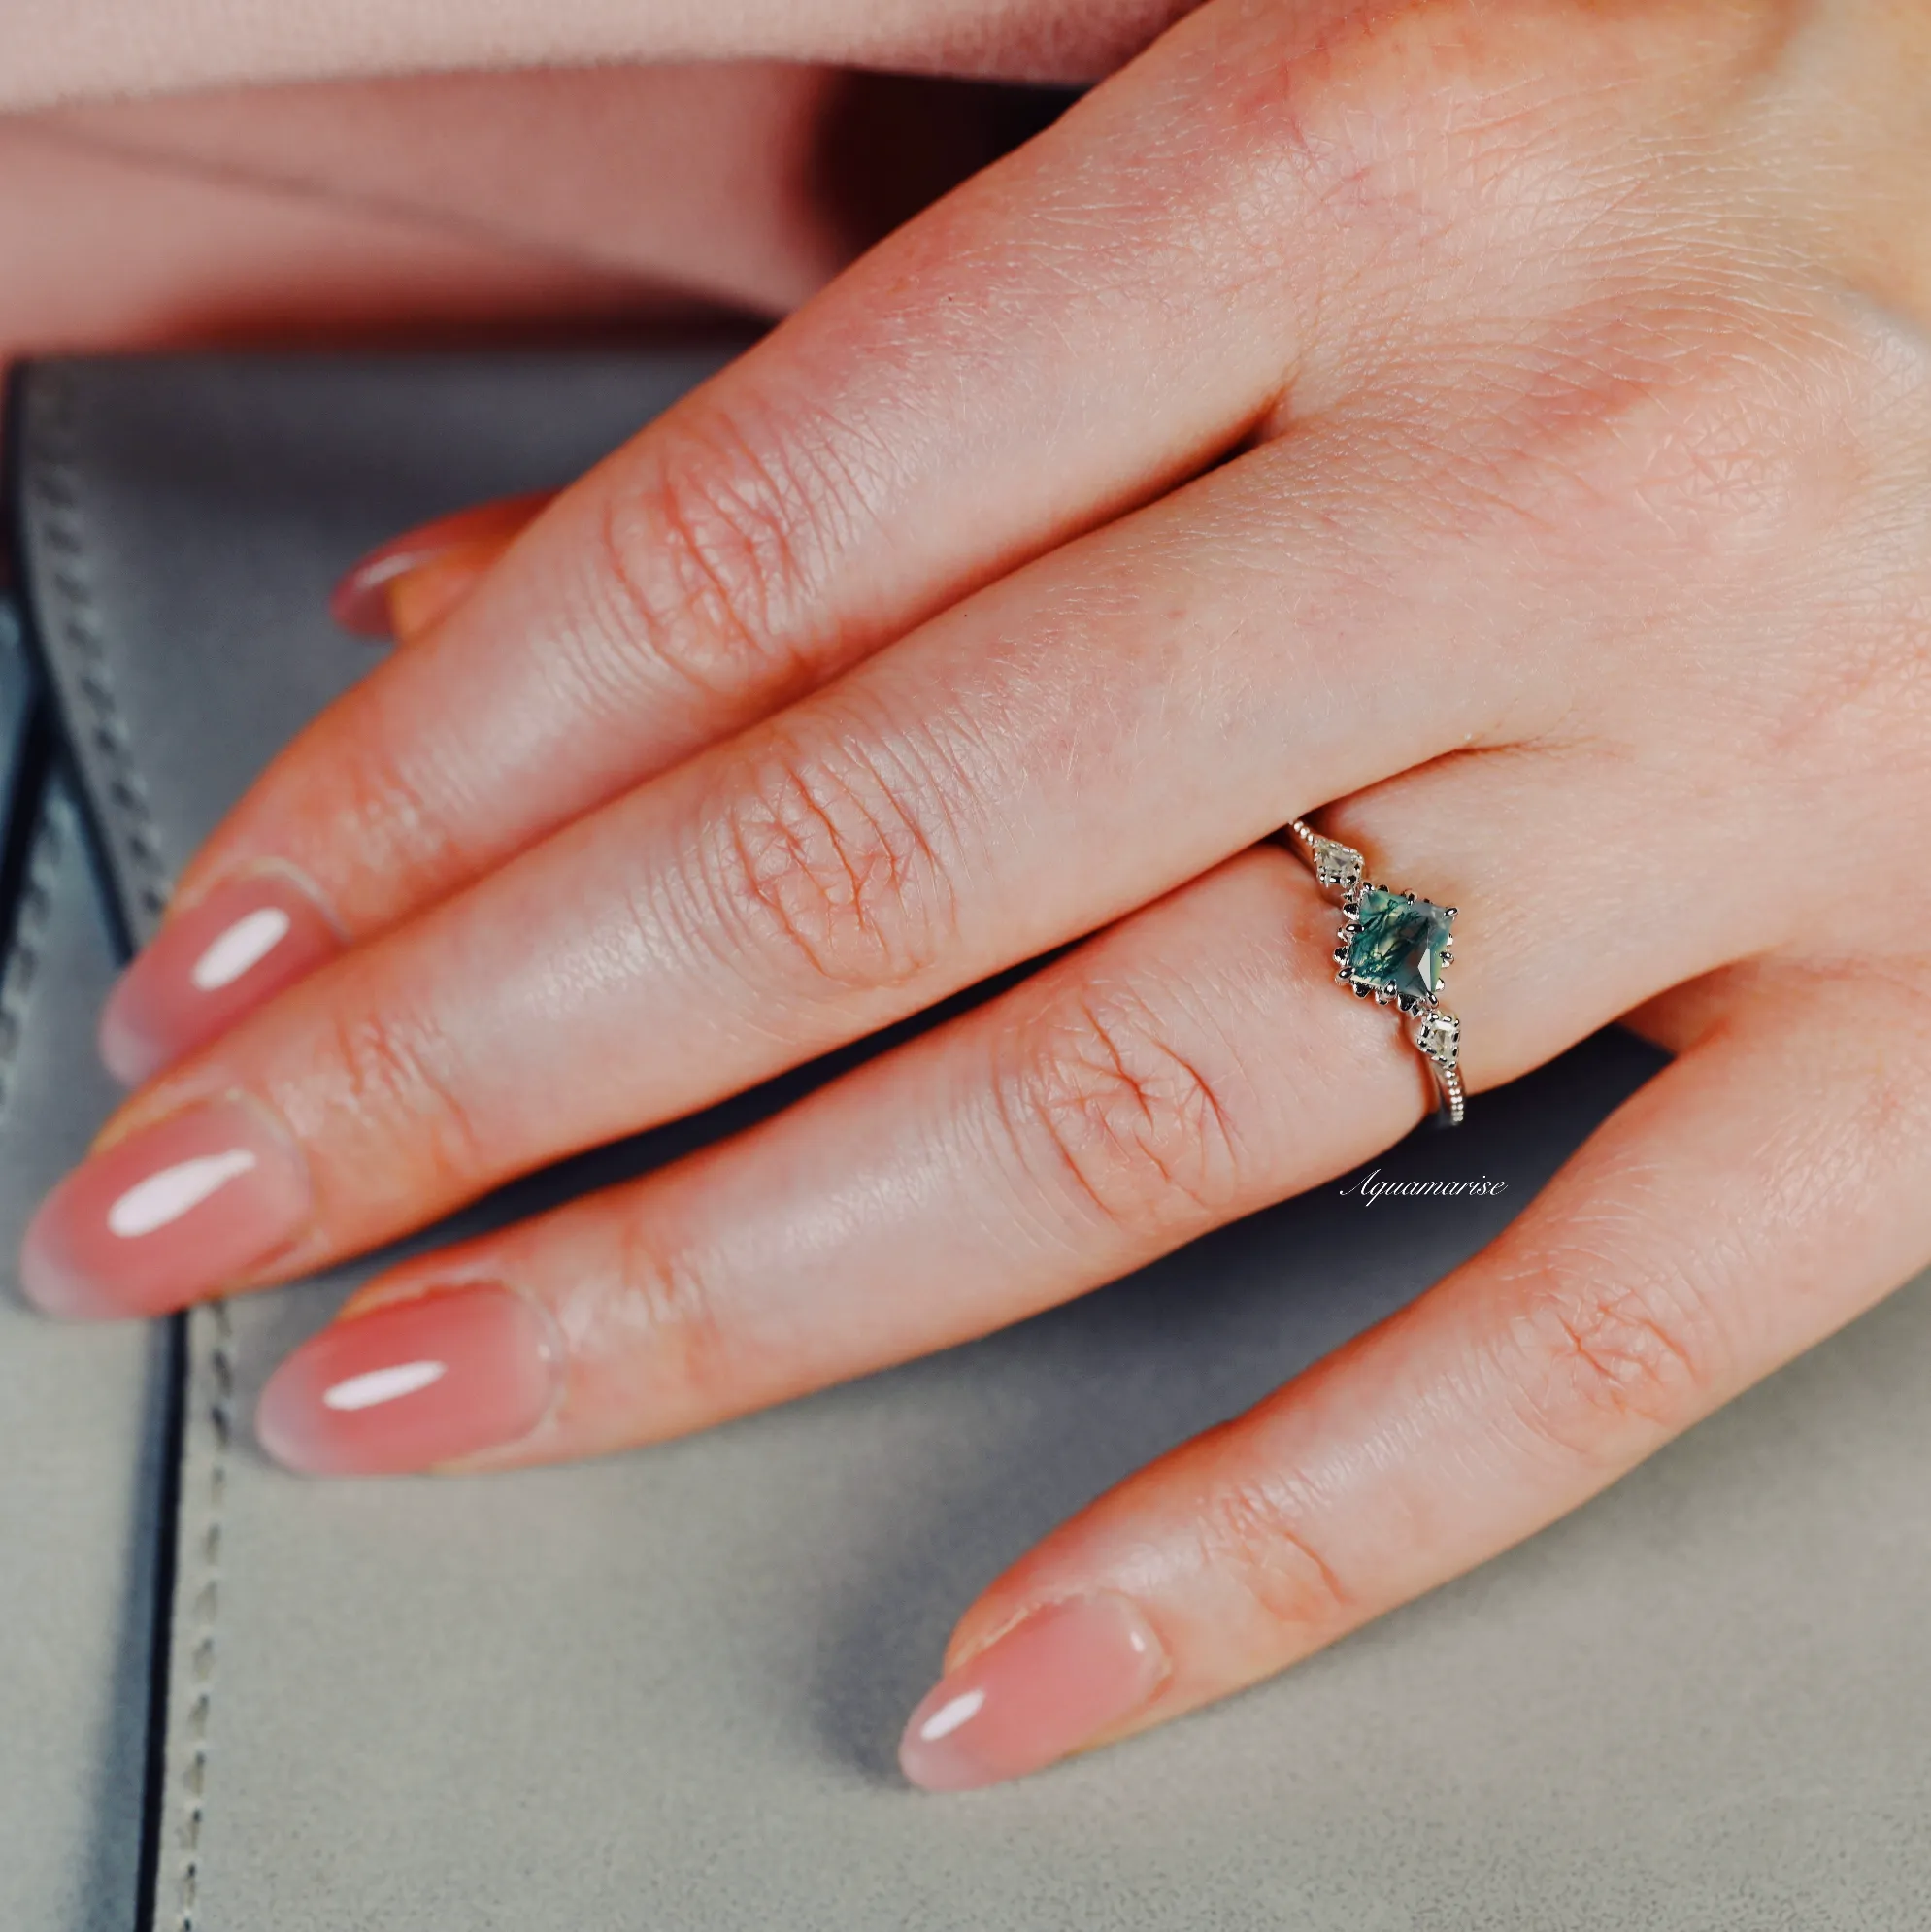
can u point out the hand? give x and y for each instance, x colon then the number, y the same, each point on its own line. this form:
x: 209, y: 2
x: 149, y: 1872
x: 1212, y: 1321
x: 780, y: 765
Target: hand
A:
x: 1508, y: 428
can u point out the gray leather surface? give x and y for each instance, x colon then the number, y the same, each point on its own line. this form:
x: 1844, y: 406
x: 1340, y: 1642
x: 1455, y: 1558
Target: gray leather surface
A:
x: 662, y: 1691
x: 81, y: 1435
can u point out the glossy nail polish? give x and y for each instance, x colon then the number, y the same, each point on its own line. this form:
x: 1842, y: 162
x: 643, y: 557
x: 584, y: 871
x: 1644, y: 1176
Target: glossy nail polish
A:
x: 220, y: 958
x: 411, y: 1384
x: 1051, y: 1685
x: 419, y: 601
x: 362, y: 603
x: 171, y: 1213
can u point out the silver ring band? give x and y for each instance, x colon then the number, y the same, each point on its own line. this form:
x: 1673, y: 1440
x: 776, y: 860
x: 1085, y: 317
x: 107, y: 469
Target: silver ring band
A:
x: 1396, y: 947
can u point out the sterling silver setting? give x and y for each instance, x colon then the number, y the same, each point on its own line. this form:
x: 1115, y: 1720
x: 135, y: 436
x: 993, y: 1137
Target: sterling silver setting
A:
x: 1435, y: 1033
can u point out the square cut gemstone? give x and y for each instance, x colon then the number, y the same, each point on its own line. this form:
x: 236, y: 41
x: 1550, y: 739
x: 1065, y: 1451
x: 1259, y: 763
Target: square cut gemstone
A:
x: 1397, y: 943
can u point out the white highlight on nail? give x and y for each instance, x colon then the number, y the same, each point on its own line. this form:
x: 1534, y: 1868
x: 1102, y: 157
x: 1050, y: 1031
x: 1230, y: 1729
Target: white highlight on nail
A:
x: 365, y: 1391
x: 168, y: 1195
x: 245, y: 945
x: 950, y: 1716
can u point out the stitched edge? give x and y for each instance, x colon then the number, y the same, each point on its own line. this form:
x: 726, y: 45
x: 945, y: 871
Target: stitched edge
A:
x: 200, y: 1636
x: 53, y: 489
x: 22, y: 967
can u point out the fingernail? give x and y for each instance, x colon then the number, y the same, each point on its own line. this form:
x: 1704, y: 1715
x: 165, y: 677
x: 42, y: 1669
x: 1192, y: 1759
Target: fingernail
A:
x: 1051, y: 1684
x: 420, y: 600
x: 222, y: 957
x: 168, y: 1213
x: 409, y: 1385
x: 467, y: 543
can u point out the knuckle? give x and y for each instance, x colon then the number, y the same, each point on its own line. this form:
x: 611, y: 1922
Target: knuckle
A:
x: 1146, y: 1137
x: 1747, y: 450
x: 838, y: 861
x: 665, y: 1317
x: 369, y: 790
x: 1857, y: 457
x: 1257, y: 1532
x: 1412, y: 129
x: 393, y: 1076
x: 1604, y: 1357
x: 710, y: 570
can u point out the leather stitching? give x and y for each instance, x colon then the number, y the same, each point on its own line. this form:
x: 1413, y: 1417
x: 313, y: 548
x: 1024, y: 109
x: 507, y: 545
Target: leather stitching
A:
x: 53, y: 489
x: 204, y: 1612
x: 23, y: 964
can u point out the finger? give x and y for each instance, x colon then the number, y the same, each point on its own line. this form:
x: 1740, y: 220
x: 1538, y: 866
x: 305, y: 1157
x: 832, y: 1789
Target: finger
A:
x: 232, y: 948
x: 949, y: 408
x: 1763, y: 1190
x: 430, y: 569
x: 1184, y: 1068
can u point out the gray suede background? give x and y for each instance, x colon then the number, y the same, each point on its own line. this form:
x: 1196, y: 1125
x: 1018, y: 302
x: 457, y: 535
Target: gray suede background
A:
x: 662, y: 1691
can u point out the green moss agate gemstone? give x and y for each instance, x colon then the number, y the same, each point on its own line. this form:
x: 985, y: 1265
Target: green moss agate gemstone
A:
x: 1397, y: 943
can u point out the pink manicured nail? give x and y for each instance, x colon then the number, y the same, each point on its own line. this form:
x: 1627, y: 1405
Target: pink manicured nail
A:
x: 360, y: 602
x: 222, y: 957
x: 172, y: 1211
x: 1052, y: 1684
x: 411, y: 1384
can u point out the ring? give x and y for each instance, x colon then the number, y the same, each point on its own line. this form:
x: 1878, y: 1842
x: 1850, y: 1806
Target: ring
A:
x: 1395, y: 947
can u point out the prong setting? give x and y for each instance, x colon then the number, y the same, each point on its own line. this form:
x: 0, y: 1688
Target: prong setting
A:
x: 1394, y: 945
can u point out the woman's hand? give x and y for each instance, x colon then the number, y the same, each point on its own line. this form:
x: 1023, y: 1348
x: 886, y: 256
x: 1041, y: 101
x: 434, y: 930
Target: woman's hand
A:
x: 1508, y: 426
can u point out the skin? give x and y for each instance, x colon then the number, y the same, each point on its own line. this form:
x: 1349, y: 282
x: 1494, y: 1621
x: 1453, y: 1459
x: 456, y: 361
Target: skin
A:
x: 1506, y: 427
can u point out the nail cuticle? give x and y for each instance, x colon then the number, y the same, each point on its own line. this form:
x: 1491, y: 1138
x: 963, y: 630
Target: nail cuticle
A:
x: 551, y: 1350
x: 248, y: 871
